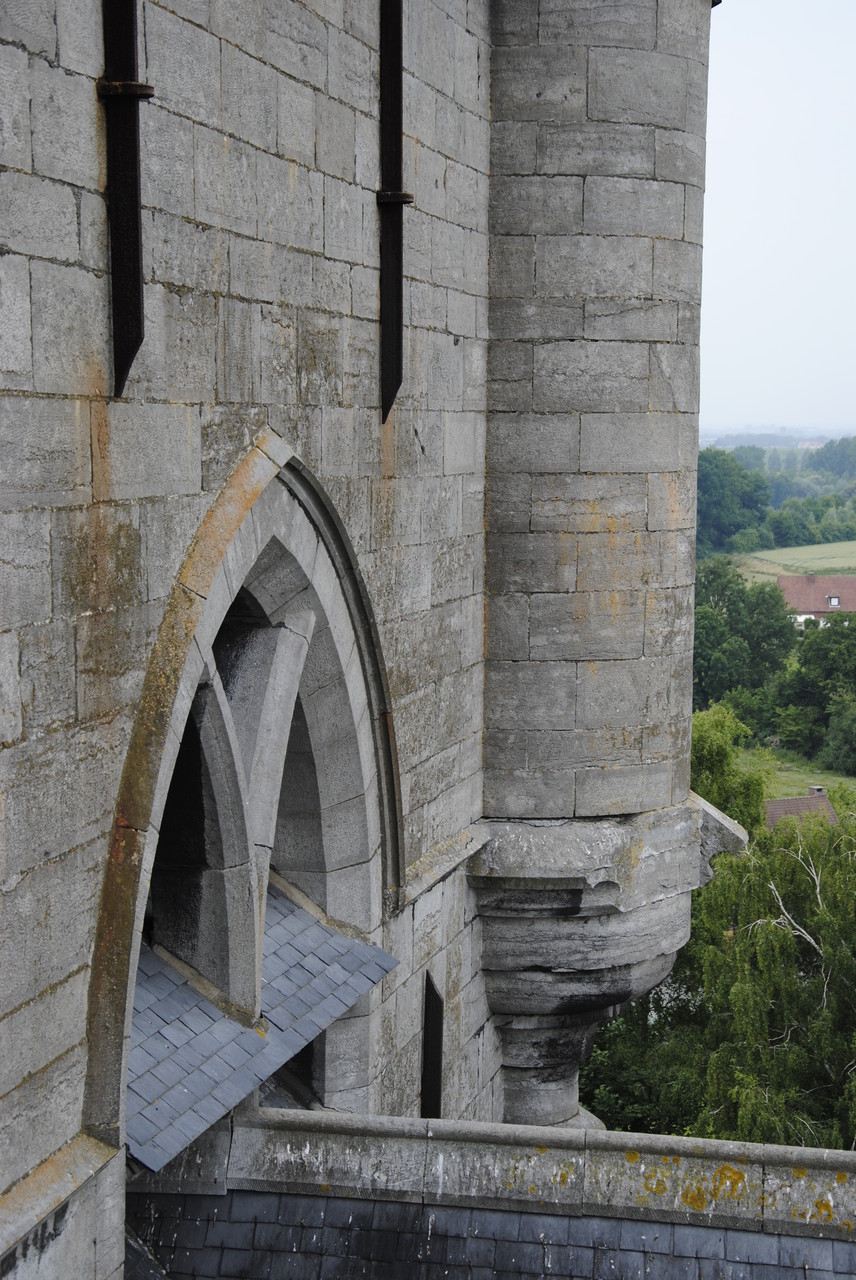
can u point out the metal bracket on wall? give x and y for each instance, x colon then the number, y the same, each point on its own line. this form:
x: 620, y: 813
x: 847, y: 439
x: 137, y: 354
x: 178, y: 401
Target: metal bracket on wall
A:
x: 390, y: 199
x: 120, y: 91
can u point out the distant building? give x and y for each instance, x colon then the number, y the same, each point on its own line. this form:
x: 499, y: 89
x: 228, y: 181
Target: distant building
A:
x: 817, y: 801
x: 810, y: 595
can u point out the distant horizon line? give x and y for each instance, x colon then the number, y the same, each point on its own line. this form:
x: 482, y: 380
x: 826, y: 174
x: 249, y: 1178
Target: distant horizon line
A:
x: 774, y: 429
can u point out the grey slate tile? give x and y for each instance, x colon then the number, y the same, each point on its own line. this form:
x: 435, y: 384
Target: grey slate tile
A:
x: 209, y: 1110
x: 190, y: 1063
x: 148, y: 1086
x: 217, y: 1069
x: 800, y: 1251
x: 690, y: 1242
x: 751, y: 1246
x: 549, y: 1229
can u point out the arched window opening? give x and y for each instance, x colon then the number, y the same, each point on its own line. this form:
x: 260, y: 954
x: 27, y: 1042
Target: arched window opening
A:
x: 270, y: 754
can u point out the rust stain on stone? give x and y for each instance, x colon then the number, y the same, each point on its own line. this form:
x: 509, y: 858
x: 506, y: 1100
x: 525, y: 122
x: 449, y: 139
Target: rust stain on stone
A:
x: 387, y: 446
x: 628, y: 861
x: 248, y: 481
x: 100, y: 445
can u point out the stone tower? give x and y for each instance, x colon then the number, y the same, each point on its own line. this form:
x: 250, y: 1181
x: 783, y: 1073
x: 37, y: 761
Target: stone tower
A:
x: 597, y: 155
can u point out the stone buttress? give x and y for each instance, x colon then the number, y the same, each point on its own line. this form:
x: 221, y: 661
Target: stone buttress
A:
x: 597, y: 156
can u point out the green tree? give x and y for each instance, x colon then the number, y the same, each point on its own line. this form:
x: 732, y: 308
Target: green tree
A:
x: 777, y: 935
x: 753, y: 1037
x: 839, y: 747
x: 730, y: 499
x: 751, y: 456
x: 837, y: 457
x: 820, y: 682
x: 743, y: 634
x: 716, y: 772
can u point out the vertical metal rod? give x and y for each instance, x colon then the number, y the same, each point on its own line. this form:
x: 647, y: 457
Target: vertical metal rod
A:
x: 120, y: 92
x: 390, y: 200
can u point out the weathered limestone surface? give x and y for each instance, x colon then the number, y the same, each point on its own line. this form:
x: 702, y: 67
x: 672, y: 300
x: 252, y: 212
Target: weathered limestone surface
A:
x: 259, y: 166
x: 593, y: 402
x: 61, y: 1219
x: 577, y: 918
x: 529, y: 1199
x: 599, y: 118
x: 534, y: 626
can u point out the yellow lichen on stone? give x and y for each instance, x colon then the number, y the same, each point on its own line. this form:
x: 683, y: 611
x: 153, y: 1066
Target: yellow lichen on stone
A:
x: 654, y: 1183
x: 728, y: 1183
x: 695, y: 1197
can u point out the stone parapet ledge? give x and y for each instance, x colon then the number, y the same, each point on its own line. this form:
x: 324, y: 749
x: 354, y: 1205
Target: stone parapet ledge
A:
x: 777, y: 1190
x: 719, y: 834
x: 65, y: 1218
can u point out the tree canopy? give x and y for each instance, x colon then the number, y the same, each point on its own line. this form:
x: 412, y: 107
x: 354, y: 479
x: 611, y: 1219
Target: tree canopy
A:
x: 753, y: 499
x: 715, y: 767
x: 776, y: 940
x: 753, y: 1036
x: 802, y: 701
x: 743, y: 634
x: 730, y: 499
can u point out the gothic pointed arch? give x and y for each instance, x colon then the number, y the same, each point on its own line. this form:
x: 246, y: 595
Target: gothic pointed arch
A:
x: 263, y: 740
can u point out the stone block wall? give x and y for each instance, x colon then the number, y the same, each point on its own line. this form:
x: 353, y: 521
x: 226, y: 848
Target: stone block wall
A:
x: 73, y: 1210
x: 259, y: 167
x: 438, y: 933
x: 597, y: 150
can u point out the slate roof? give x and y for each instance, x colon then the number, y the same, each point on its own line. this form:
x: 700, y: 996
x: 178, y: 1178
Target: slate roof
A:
x: 809, y: 592
x: 796, y: 806
x: 139, y: 1263
x: 189, y: 1063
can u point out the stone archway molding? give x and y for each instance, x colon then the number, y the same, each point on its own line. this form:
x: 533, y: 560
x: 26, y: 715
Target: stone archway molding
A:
x: 229, y: 542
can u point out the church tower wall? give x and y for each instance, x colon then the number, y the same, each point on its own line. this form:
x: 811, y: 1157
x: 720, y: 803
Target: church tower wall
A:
x: 597, y: 153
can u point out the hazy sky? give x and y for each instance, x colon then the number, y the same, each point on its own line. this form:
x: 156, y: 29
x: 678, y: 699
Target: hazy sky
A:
x: 779, y: 301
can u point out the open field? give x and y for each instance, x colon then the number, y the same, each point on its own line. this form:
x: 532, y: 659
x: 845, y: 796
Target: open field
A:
x: 823, y: 557
x: 792, y: 777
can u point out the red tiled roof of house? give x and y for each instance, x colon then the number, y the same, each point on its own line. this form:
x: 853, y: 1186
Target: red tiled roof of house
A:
x: 810, y: 592
x: 796, y: 806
